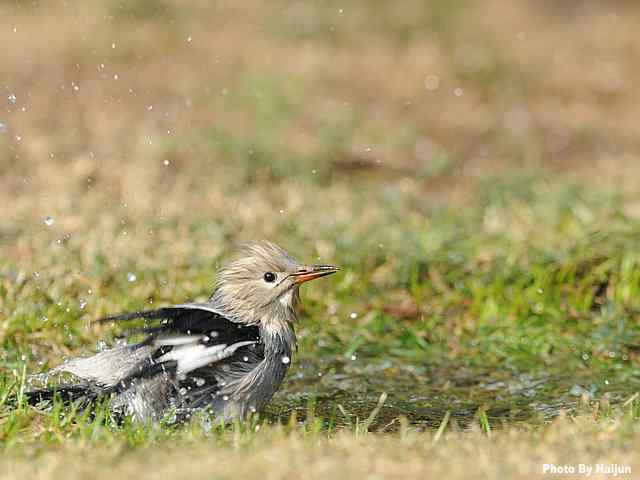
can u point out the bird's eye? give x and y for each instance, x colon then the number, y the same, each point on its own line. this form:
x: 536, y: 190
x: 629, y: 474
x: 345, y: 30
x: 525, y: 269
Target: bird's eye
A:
x: 269, y: 277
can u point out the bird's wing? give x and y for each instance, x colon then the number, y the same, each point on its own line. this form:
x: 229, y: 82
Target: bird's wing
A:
x: 194, y: 317
x: 191, y: 320
x: 180, y: 338
x: 192, y: 335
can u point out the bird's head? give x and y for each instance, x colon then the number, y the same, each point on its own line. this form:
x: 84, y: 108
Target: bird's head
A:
x: 262, y: 284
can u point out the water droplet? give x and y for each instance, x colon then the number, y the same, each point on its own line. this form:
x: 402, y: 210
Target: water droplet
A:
x: 48, y: 221
x: 171, y: 419
x: 42, y: 378
x: 431, y: 82
x: 286, y: 360
x: 245, y: 359
x: 576, y: 390
x: 206, y: 424
x: 354, y: 358
x: 12, y: 98
x: 131, y: 277
x: 353, y: 315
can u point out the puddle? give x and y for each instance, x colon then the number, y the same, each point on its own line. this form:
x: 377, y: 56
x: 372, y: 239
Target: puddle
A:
x: 347, y: 392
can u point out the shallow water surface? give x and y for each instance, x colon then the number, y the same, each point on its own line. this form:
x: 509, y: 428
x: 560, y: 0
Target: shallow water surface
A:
x: 345, y: 393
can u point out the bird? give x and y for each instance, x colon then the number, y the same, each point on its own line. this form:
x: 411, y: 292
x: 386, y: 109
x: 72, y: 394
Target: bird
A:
x: 227, y: 356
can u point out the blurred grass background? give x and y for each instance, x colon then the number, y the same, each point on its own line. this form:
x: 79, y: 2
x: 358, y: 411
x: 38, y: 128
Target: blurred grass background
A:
x: 473, y: 166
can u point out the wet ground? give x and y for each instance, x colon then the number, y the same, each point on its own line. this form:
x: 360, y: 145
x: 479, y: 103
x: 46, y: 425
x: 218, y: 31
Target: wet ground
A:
x: 345, y: 393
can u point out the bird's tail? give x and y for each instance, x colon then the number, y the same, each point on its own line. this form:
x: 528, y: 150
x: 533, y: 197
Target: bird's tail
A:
x: 125, y: 378
x: 82, y: 395
x: 95, y: 376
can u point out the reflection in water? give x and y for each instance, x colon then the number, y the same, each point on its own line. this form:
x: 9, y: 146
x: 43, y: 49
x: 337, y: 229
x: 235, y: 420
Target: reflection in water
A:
x: 342, y: 394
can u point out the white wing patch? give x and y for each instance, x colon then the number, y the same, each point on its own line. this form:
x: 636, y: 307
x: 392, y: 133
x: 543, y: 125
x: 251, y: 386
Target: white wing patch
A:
x: 191, y: 357
x: 177, y: 340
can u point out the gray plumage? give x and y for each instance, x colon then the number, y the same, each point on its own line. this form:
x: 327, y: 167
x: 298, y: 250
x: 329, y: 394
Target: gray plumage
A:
x: 228, y: 355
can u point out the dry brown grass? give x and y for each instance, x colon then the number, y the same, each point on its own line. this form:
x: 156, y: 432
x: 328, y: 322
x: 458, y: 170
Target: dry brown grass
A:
x: 271, y: 454
x: 542, y: 84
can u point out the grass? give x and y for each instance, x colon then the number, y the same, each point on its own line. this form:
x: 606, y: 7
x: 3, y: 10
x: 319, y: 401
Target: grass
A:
x: 67, y: 446
x: 474, y: 180
x: 499, y: 317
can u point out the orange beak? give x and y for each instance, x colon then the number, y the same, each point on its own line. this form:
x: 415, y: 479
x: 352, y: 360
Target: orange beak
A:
x: 306, y: 273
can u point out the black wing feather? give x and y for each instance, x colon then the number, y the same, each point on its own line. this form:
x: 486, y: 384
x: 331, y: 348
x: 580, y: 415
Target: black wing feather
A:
x: 202, y: 384
x: 190, y: 319
x: 160, y: 313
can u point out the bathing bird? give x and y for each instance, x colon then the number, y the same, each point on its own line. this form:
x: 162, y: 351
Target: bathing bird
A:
x: 228, y: 355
